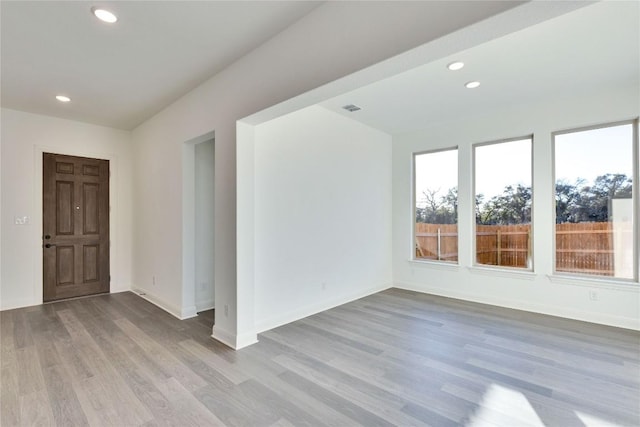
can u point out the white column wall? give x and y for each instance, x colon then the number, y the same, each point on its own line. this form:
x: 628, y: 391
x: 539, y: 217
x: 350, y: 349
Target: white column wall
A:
x: 322, y: 214
x: 331, y: 42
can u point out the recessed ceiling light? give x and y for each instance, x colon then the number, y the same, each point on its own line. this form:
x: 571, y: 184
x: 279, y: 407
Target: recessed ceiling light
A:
x: 455, y: 66
x: 63, y: 98
x: 104, y: 15
x: 472, y: 85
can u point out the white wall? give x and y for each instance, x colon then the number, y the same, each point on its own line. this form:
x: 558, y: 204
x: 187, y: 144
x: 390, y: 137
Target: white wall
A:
x: 322, y: 214
x: 329, y: 43
x: 204, y: 231
x: 24, y: 138
x: 617, y: 304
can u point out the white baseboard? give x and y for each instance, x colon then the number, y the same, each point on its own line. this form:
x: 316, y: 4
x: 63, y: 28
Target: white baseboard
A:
x: 188, y: 312
x: 17, y: 303
x: 207, y: 304
x: 116, y: 289
x: 566, y: 312
x: 224, y: 337
x: 178, y: 312
x: 234, y: 341
x: 301, y: 313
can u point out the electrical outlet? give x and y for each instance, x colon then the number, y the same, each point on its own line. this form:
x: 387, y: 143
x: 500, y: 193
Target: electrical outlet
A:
x: 324, y: 285
x: 593, y: 295
x: 226, y: 310
x: 203, y: 286
x: 154, y: 280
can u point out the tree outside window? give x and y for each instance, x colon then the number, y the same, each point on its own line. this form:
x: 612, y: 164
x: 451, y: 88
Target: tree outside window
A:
x: 595, y: 202
x: 503, y: 198
x: 436, y: 206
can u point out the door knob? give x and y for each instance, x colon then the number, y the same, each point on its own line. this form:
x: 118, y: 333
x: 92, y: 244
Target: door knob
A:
x: 48, y: 245
x: 47, y: 237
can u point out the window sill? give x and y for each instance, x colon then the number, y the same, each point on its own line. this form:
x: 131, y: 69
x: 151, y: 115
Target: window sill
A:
x: 615, y: 284
x: 503, y: 272
x: 438, y: 265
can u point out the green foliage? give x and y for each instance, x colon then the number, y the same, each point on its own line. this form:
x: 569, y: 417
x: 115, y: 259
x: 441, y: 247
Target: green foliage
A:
x: 581, y: 203
x: 443, y: 210
x: 513, y: 206
x: 575, y: 202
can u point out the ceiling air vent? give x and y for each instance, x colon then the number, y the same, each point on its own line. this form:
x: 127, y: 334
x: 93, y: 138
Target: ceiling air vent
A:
x: 351, y: 108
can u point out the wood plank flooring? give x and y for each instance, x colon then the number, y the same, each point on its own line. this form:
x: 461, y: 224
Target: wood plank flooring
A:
x: 394, y: 358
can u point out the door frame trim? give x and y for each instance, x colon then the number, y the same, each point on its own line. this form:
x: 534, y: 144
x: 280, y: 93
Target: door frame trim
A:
x: 37, y: 217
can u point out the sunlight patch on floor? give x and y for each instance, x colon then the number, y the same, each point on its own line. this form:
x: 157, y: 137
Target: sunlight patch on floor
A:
x: 591, y: 421
x: 501, y: 406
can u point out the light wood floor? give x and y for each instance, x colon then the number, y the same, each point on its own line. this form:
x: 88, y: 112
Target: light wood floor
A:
x: 394, y: 358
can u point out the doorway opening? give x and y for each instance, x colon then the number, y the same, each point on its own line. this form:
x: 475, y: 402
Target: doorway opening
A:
x: 199, y: 227
x: 205, y: 237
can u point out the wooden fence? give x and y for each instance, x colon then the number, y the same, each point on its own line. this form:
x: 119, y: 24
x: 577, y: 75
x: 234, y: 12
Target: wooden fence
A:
x: 437, y: 241
x: 504, y: 245
x: 585, y: 248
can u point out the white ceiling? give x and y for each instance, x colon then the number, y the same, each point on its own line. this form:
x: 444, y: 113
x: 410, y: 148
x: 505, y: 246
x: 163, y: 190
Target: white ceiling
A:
x: 591, y: 48
x: 134, y: 67
x: 120, y: 75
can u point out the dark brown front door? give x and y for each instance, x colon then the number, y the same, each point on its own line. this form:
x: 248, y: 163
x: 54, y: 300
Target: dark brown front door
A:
x: 75, y: 226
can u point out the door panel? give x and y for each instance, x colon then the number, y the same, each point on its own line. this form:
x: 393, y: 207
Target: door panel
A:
x: 62, y: 167
x: 91, y: 193
x: 90, y: 263
x: 64, y: 207
x: 65, y: 262
x: 76, y: 226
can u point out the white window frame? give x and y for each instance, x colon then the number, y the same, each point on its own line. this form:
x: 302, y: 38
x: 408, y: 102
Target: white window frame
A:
x: 474, y: 257
x: 414, y: 206
x: 593, y: 278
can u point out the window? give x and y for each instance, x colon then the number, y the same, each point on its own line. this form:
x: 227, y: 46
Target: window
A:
x: 436, y: 205
x: 594, y: 178
x: 503, y: 203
